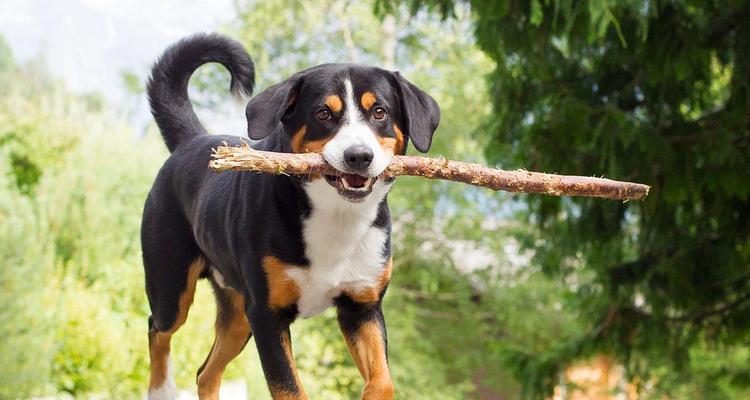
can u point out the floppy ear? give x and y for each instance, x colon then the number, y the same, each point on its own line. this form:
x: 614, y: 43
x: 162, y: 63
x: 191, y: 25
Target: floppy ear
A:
x: 267, y: 110
x: 421, y: 113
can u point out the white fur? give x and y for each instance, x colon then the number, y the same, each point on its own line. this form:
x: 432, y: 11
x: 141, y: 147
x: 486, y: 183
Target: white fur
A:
x: 344, y: 249
x: 167, y: 391
x: 355, y: 132
x: 219, y: 278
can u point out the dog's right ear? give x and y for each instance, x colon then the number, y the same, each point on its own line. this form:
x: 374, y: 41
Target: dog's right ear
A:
x: 266, y: 111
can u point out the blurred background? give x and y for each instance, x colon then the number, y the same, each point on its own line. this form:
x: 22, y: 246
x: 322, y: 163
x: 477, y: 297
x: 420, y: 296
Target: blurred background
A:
x: 494, y: 296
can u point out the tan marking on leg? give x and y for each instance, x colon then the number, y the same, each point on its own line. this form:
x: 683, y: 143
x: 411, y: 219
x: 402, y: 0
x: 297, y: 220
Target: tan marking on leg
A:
x: 334, y: 103
x: 372, y: 294
x: 300, y: 145
x: 159, y: 347
x: 367, y: 100
x: 159, y: 343
x: 282, y: 290
x: 231, y: 336
x: 367, y: 347
x: 279, y: 393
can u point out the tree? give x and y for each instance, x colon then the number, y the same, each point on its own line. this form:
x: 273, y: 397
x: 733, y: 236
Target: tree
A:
x: 652, y: 91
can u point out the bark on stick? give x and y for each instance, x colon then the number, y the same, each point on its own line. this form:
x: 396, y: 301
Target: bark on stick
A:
x: 244, y: 158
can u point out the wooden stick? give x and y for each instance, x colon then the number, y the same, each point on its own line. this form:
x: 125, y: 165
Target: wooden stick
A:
x: 244, y: 158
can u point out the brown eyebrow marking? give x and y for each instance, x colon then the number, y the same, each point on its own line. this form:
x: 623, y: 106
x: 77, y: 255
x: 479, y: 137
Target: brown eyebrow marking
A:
x: 368, y: 99
x: 334, y: 103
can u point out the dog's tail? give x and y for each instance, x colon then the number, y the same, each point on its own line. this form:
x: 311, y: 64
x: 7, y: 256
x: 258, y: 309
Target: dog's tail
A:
x: 167, y: 87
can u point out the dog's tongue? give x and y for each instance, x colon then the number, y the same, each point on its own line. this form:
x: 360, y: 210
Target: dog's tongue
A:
x: 355, y: 181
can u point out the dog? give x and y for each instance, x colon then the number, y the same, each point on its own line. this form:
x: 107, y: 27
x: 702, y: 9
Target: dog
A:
x: 276, y: 247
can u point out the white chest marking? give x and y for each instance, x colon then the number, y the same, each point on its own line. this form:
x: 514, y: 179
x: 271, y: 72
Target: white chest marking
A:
x: 346, y: 252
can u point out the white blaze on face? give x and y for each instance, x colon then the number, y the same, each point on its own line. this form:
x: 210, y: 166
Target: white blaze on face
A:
x: 345, y: 250
x: 355, y: 131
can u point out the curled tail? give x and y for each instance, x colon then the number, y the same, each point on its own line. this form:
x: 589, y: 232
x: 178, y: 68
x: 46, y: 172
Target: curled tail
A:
x: 167, y: 87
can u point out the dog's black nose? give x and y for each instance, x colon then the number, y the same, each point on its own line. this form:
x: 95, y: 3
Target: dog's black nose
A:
x: 358, y: 157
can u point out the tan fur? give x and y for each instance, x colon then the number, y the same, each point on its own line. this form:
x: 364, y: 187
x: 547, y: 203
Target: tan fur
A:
x: 300, y: 145
x: 159, y: 342
x: 388, y: 144
x: 334, y: 103
x: 372, y: 294
x: 282, y: 290
x: 159, y: 347
x: 400, y: 147
x: 367, y: 347
x: 231, y: 335
x: 367, y: 100
x: 281, y: 394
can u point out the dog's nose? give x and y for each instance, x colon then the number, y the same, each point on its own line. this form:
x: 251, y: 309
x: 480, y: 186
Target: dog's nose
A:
x: 358, y: 157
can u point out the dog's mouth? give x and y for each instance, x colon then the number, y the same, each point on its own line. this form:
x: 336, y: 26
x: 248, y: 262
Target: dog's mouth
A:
x: 352, y: 187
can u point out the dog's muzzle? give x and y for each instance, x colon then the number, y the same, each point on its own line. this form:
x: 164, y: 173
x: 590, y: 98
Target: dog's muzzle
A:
x: 352, y: 187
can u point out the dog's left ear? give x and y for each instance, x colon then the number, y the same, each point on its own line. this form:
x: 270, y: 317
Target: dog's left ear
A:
x: 421, y: 113
x: 266, y: 111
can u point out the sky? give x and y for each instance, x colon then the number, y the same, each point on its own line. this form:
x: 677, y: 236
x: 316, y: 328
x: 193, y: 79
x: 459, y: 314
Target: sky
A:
x: 89, y: 43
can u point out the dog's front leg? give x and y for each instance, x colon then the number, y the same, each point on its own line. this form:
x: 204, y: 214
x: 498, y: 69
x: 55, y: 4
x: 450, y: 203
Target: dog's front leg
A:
x: 363, y: 327
x: 274, y: 345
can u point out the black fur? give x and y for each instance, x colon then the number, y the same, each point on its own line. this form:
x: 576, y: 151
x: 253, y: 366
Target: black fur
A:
x: 421, y: 113
x: 268, y: 109
x: 235, y: 219
x: 167, y: 88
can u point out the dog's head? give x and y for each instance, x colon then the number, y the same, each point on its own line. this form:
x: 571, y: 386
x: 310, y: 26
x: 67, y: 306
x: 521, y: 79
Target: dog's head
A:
x: 357, y: 116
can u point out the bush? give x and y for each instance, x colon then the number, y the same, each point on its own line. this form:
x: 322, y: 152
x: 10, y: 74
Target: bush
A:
x: 24, y: 321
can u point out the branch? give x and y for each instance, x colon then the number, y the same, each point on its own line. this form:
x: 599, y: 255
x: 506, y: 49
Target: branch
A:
x: 244, y: 158
x: 719, y: 310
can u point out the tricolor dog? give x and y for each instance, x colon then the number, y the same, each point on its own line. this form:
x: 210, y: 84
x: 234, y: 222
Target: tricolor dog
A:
x: 277, y: 247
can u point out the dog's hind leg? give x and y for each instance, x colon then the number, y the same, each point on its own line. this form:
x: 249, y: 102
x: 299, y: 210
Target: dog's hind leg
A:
x: 173, y: 264
x: 161, y: 384
x: 232, y: 333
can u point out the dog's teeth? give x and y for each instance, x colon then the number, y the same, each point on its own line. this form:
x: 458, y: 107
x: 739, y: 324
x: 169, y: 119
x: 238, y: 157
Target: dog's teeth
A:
x: 365, y: 186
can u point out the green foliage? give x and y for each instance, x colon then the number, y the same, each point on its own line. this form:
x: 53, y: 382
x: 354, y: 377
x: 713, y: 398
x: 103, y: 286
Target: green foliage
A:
x: 465, y: 311
x: 95, y: 349
x: 73, y: 179
x: 281, y: 45
x: 648, y: 91
x: 24, y: 321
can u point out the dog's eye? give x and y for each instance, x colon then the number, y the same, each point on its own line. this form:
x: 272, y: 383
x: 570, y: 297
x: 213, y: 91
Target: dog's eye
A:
x: 323, y: 115
x: 379, y: 113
